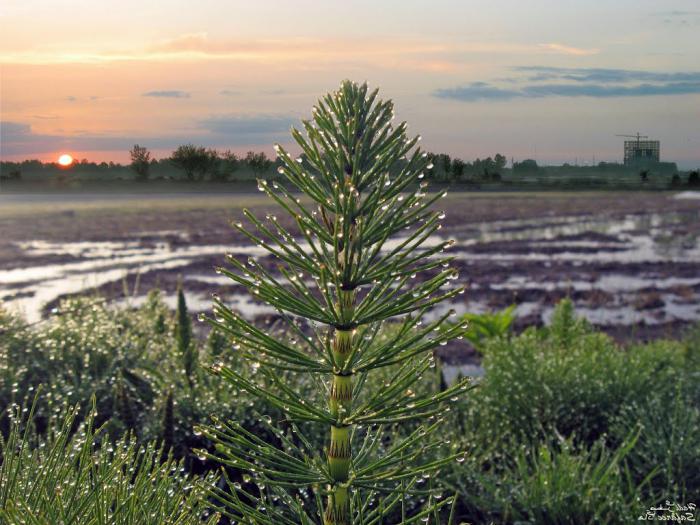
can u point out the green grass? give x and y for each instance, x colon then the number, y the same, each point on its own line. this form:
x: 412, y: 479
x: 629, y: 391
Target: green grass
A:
x: 567, y: 427
x: 72, y: 474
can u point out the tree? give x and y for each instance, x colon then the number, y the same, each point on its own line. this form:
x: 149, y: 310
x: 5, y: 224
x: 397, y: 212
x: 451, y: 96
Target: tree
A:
x: 258, y: 162
x: 500, y: 161
x: 228, y: 163
x: 694, y: 179
x: 195, y: 161
x: 457, y: 169
x: 526, y: 166
x: 430, y: 170
x: 337, y: 293
x: 12, y: 169
x: 445, y: 162
x: 140, y: 161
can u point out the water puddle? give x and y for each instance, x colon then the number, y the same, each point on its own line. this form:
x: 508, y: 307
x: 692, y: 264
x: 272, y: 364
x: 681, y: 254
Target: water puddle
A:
x: 202, y: 302
x: 28, y: 289
x: 607, y: 283
x: 687, y: 195
x: 553, y: 254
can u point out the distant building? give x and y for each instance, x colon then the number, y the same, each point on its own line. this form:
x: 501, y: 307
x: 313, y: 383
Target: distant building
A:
x: 641, y: 152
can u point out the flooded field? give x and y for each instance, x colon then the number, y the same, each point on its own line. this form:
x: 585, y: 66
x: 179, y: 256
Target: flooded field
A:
x: 630, y: 262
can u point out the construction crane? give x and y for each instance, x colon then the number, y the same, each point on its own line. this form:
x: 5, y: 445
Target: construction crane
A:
x: 637, y: 136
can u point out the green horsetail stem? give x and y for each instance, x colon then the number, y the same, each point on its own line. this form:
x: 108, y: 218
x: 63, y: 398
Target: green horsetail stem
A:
x: 338, y: 510
x: 339, y: 453
x: 341, y: 396
x: 340, y: 403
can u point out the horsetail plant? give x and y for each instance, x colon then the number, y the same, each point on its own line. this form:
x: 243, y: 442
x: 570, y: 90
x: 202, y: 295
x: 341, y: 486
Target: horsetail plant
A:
x: 361, y: 249
x: 186, y: 348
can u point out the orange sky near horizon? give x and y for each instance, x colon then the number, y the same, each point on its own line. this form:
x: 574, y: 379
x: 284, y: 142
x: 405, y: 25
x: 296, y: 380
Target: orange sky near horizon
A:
x: 473, y: 78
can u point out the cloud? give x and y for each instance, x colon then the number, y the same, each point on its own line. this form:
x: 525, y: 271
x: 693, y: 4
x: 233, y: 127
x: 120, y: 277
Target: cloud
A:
x: 477, y: 91
x: 568, y: 50
x: 248, y: 129
x: 483, y: 91
x: 273, y: 91
x: 229, y: 92
x: 19, y: 139
x: 201, y: 43
x: 679, y: 17
x: 13, y: 131
x: 546, y: 81
x: 606, y: 91
x: 72, y: 98
x: 605, y: 75
x: 393, y: 52
x: 678, y: 12
x: 172, y: 93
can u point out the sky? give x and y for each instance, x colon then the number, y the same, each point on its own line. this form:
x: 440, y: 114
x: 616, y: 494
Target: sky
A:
x: 551, y: 80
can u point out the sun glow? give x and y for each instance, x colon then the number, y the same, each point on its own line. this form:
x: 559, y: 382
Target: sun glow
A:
x: 65, y: 160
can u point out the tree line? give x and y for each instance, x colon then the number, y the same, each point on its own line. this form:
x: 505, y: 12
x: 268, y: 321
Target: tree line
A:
x: 199, y: 163
x: 195, y: 163
x: 448, y: 169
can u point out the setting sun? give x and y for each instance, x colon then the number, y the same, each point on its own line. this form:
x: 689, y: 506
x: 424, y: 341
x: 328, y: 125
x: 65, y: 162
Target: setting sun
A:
x: 65, y: 160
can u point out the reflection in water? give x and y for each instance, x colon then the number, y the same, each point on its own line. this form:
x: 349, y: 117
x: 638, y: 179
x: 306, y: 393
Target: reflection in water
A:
x: 545, y: 255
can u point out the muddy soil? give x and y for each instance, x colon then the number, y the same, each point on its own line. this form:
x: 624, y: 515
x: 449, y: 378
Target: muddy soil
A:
x: 629, y: 261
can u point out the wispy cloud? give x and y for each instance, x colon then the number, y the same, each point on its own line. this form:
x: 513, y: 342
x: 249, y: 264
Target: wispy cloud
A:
x: 607, y: 91
x: 544, y: 81
x: 18, y: 138
x: 477, y: 91
x: 678, y: 12
x: 203, y: 44
x: 679, y: 17
x: 483, y: 91
x: 402, y: 53
x: 568, y: 50
x: 248, y: 129
x: 91, y: 98
x: 13, y: 131
x: 168, y: 93
x: 273, y: 91
x: 606, y: 75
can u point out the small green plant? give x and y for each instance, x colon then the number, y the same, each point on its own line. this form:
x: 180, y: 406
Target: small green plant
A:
x: 668, y: 450
x: 565, y: 483
x: 486, y: 326
x: 343, y: 272
x: 565, y: 378
x: 186, y: 347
